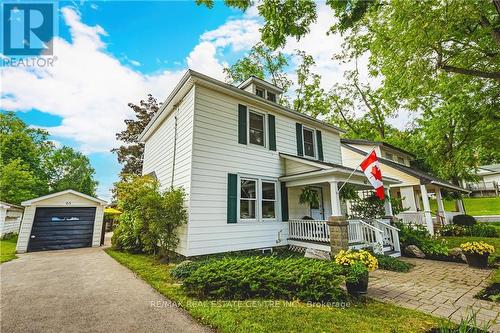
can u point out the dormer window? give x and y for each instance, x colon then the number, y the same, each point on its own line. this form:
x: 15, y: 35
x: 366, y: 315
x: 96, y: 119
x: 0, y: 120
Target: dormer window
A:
x: 271, y: 97
x: 259, y: 92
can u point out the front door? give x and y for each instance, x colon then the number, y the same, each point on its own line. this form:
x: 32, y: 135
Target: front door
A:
x: 317, y: 210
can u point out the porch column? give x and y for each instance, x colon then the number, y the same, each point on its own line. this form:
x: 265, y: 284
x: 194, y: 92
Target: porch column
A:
x: 387, y: 203
x: 460, y: 206
x: 427, y: 209
x: 439, y: 199
x: 408, y: 197
x: 335, y: 199
x: 339, y: 236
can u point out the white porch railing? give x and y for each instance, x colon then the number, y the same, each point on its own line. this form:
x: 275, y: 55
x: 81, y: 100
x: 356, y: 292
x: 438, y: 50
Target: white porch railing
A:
x: 390, y: 233
x: 412, y: 217
x: 362, y: 232
x: 311, y: 230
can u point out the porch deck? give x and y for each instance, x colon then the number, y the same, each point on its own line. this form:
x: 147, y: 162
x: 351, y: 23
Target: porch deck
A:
x: 376, y: 234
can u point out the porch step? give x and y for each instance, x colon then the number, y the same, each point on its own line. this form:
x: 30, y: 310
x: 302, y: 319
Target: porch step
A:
x: 387, y: 248
x: 392, y: 253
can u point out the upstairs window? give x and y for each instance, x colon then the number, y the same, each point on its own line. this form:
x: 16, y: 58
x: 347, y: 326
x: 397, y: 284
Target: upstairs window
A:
x: 256, y: 130
x: 271, y: 97
x: 259, y: 92
x: 308, y: 135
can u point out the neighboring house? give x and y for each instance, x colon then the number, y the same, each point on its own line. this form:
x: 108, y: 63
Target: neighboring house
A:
x: 10, y: 218
x: 243, y: 161
x: 488, y: 183
x: 415, y: 185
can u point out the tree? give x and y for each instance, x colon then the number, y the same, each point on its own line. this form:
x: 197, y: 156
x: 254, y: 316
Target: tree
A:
x: 261, y: 62
x: 31, y: 166
x: 131, y: 154
x: 70, y: 169
x: 17, y: 182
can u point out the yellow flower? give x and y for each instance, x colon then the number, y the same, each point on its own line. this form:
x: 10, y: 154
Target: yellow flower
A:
x: 477, y: 247
x: 349, y: 257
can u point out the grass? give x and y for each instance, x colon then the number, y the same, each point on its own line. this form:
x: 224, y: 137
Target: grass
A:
x: 277, y: 316
x: 8, y: 249
x: 473, y: 206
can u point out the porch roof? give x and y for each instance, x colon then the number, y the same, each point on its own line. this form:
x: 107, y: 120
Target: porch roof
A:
x: 424, y: 177
x: 324, y: 170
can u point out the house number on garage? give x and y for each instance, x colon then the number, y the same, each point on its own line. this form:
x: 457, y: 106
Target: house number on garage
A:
x: 68, y: 203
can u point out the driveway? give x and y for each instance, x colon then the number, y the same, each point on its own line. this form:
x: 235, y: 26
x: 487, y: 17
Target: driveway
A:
x: 82, y: 290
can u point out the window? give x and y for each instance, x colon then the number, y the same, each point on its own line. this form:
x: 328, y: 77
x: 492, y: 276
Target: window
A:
x: 248, y: 198
x: 256, y: 131
x: 257, y: 199
x: 268, y: 200
x: 401, y: 160
x: 389, y: 156
x: 259, y: 92
x: 271, y: 96
x: 308, y: 142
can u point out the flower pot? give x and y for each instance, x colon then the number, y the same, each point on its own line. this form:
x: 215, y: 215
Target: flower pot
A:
x: 477, y: 260
x: 358, y: 288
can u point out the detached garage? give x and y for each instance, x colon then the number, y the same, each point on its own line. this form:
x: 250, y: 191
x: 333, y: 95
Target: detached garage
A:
x: 62, y: 220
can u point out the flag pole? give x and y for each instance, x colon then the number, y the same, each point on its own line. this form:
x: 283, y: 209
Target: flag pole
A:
x: 353, y: 171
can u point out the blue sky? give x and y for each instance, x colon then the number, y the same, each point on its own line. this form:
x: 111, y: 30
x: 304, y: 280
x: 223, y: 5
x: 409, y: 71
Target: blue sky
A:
x: 110, y: 53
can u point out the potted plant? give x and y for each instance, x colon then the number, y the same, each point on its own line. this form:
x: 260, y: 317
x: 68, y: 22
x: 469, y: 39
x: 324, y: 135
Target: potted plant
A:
x: 477, y: 253
x: 357, y: 264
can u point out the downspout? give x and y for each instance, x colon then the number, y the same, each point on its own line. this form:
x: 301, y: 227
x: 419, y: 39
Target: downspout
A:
x: 175, y: 147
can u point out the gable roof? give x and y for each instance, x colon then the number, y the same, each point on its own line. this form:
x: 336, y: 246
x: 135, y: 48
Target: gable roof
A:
x: 260, y: 82
x: 375, y: 143
x: 424, y: 177
x: 488, y: 169
x: 52, y: 195
x: 7, y: 205
x: 191, y: 77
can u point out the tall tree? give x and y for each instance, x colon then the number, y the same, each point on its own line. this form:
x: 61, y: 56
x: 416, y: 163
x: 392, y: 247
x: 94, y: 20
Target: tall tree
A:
x: 31, y: 166
x: 261, y: 62
x: 131, y: 154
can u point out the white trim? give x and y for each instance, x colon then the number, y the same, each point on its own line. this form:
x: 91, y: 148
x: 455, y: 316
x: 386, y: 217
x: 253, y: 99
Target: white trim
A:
x: 48, y: 196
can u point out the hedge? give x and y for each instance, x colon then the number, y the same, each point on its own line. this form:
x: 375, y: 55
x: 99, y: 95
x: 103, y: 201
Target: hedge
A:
x: 267, y: 278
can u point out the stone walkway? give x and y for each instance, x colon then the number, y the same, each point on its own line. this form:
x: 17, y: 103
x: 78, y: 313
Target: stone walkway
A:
x: 443, y: 289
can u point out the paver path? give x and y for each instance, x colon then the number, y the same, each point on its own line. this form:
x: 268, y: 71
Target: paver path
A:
x: 444, y: 289
x: 82, y: 290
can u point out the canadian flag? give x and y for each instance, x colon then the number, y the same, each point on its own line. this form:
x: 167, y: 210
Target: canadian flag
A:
x: 371, y: 168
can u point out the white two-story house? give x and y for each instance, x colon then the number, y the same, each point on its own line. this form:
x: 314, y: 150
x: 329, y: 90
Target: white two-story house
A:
x: 243, y: 161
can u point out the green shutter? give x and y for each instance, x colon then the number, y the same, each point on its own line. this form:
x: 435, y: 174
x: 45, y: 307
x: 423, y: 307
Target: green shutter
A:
x: 284, y: 202
x: 242, y: 124
x: 272, y: 132
x: 298, y: 130
x: 232, y: 198
x: 320, y: 145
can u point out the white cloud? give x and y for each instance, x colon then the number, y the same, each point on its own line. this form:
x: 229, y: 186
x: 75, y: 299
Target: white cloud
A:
x: 87, y: 87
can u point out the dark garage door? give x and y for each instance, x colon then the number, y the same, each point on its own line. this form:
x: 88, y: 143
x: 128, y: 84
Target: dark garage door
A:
x: 61, y: 228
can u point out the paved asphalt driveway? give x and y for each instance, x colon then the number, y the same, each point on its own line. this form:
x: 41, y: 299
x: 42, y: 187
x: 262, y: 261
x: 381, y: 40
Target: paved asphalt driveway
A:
x: 82, y: 290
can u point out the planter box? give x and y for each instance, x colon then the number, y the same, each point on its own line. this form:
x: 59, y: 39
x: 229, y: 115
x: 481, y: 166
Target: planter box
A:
x: 477, y: 260
x: 358, y: 288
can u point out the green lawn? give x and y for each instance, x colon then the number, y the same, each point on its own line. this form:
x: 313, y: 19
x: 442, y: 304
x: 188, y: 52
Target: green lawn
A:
x: 473, y: 206
x: 8, y: 249
x: 277, y: 316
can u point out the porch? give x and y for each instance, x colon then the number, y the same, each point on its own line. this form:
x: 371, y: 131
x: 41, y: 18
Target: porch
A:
x: 415, y: 200
x: 307, y: 221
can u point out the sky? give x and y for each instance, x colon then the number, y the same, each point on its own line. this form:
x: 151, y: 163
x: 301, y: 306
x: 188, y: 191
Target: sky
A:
x: 110, y: 53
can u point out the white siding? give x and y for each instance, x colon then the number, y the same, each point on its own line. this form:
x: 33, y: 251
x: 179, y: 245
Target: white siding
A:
x: 10, y: 221
x: 216, y: 152
x: 159, y: 152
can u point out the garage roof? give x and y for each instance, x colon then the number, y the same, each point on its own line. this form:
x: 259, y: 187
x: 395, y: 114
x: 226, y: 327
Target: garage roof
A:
x: 52, y: 195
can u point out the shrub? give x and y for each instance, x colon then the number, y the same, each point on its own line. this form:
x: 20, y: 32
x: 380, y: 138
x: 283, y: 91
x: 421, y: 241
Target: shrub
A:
x: 267, y: 277
x: 185, y: 268
x: 419, y: 236
x: 393, y: 264
x: 150, y: 218
x: 464, y: 220
x: 482, y: 230
x: 356, y: 271
x: 452, y: 230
